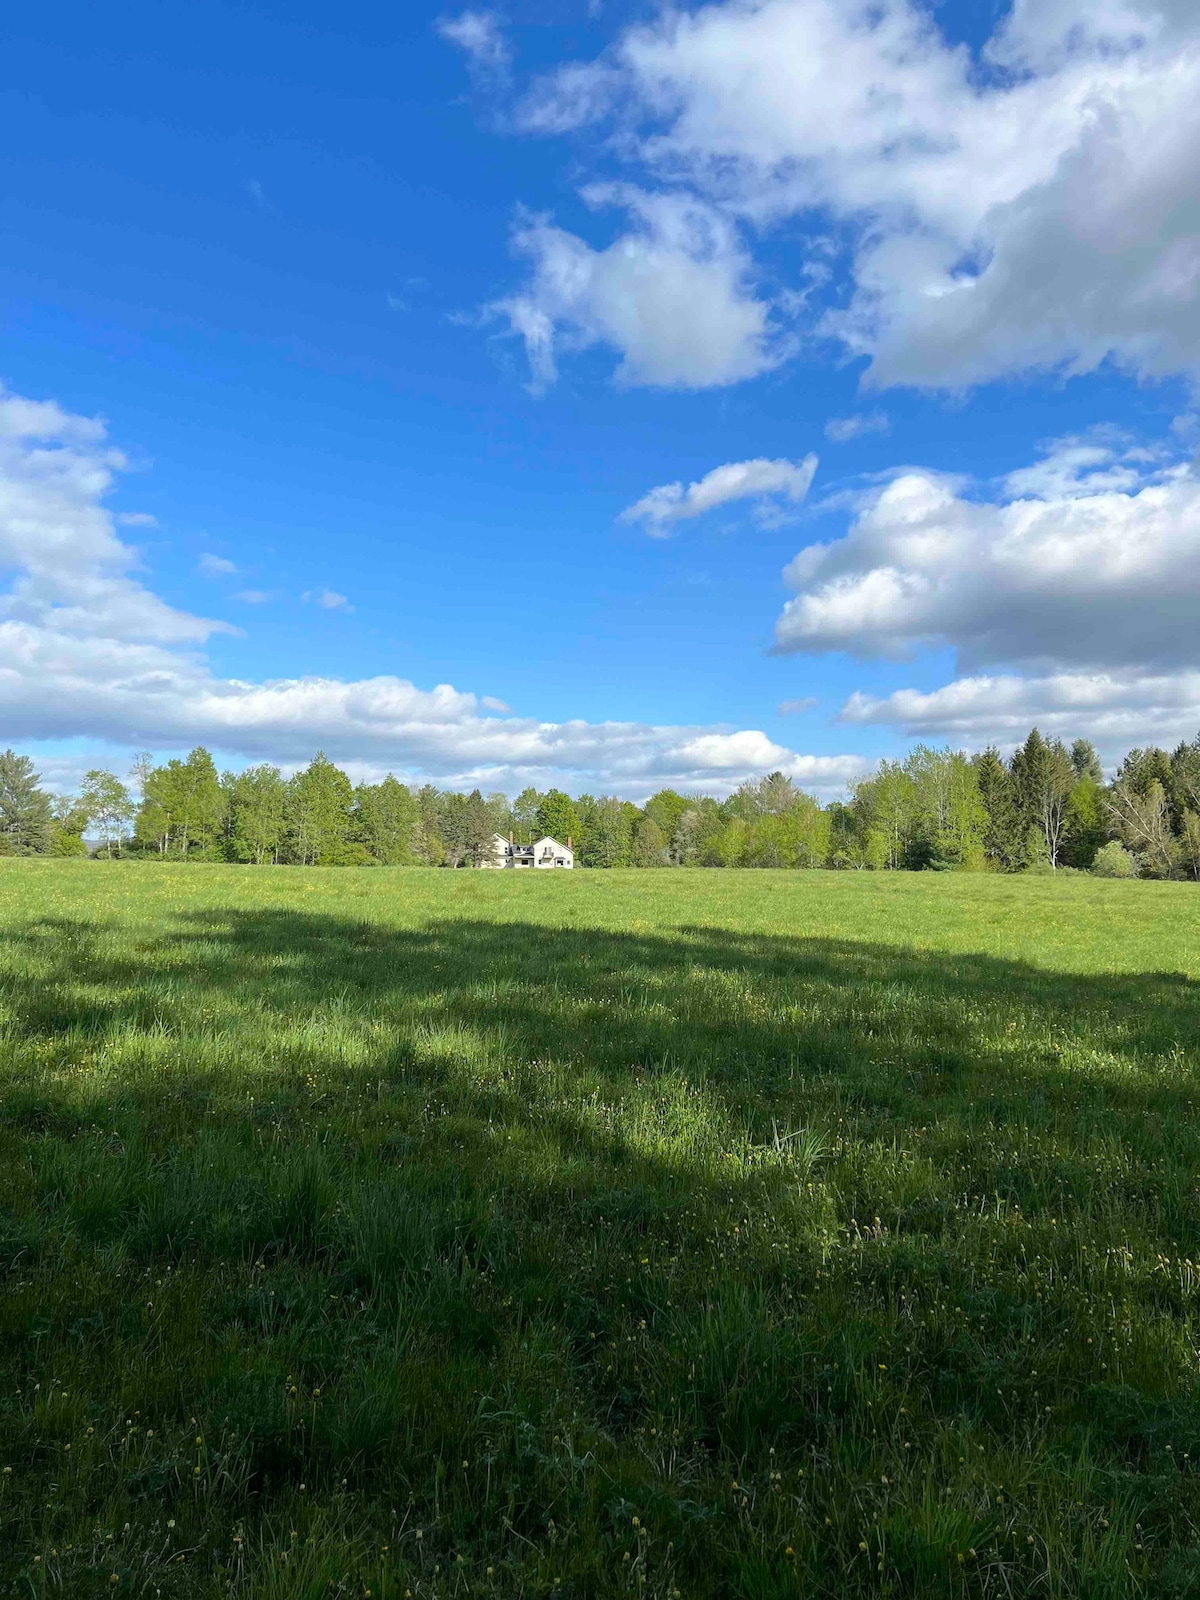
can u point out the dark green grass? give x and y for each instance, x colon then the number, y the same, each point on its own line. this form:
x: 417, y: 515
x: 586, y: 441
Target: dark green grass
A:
x: 606, y: 1234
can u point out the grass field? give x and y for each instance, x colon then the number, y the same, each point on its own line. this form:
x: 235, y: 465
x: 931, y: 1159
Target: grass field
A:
x: 652, y: 1234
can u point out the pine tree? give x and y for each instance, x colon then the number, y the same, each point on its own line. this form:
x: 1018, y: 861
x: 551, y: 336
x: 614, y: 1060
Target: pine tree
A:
x: 24, y: 809
x: 1042, y: 780
x: 1002, y: 834
x: 1086, y: 763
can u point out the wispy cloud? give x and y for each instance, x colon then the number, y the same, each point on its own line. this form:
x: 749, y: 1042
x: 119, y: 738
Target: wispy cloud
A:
x: 480, y: 36
x: 793, y: 708
x: 215, y: 566
x: 252, y: 597
x: 842, y: 429
x: 329, y: 598
x: 770, y: 483
x: 136, y: 519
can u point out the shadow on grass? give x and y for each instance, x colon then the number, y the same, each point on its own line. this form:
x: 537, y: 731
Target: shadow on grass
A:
x: 504, y: 1181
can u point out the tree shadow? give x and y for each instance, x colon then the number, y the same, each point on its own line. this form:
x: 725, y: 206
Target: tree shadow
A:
x: 486, y: 1183
x: 772, y: 1033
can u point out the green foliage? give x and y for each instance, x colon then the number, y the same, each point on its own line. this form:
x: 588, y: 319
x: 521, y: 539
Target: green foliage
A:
x: 1086, y: 823
x: 104, y: 801
x: 256, y: 799
x: 25, y: 819
x: 1114, y: 861
x: 386, y: 822
x: 1043, y: 780
x: 936, y: 810
x: 468, y: 830
x: 317, y: 814
x: 607, y: 838
x: 1003, y: 834
x: 729, y: 1225
x: 182, y: 808
x: 556, y: 817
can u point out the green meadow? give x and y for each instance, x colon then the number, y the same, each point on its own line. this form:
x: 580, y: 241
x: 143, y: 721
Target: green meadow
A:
x: 392, y: 1232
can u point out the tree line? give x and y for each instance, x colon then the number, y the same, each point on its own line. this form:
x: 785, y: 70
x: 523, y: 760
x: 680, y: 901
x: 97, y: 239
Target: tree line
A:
x: 1046, y: 808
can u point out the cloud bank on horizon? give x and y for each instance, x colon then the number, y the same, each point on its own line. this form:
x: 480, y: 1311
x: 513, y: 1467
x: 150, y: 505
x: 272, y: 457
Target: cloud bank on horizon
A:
x: 88, y: 650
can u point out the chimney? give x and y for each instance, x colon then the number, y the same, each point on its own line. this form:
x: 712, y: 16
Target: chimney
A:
x: 510, y: 838
x: 569, y: 846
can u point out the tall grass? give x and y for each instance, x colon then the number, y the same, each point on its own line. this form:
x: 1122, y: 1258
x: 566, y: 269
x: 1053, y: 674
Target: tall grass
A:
x: 643, y: 1234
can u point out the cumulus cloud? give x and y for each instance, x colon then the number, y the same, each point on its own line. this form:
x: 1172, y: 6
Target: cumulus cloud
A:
x: 480, y: 35
x: 672, y: 294
x: 841, y: 430
x: 1033, y: 205
x: 1116, y: 709
x: 770, y: 483
x: 1089, y: 560
x: 88, y: 651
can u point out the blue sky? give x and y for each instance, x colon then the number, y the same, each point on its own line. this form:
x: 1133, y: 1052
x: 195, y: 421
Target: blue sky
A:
x: 390, y: 314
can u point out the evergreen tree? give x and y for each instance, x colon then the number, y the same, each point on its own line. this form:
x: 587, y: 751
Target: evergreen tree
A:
x: 1003, y: 837
x: 1142, y: 768
x: 480, y: 830
x: 427, y: 841
x: 1042, y: 782
x: 1085, y: 763
x: 24, y: 810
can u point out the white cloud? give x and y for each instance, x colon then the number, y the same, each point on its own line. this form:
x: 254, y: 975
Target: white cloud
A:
x: 794, y: 708
x: 768, y: 482
x: 1091, y: 567
x: 136, y: 519
x: 480, y: 35
x: 88, y: 652
x: 73, y: 572
x: 215, y: 566
x: 1116, y: 709
x: 841, y: 430
x: 1034, y: 206
x: 333, y: 601
x: 672, y: 294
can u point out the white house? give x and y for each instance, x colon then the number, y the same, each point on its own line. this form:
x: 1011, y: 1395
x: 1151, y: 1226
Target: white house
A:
x: 545, y: 853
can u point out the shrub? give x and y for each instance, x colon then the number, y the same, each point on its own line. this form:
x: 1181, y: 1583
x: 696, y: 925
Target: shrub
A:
x: 1114, y: 861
